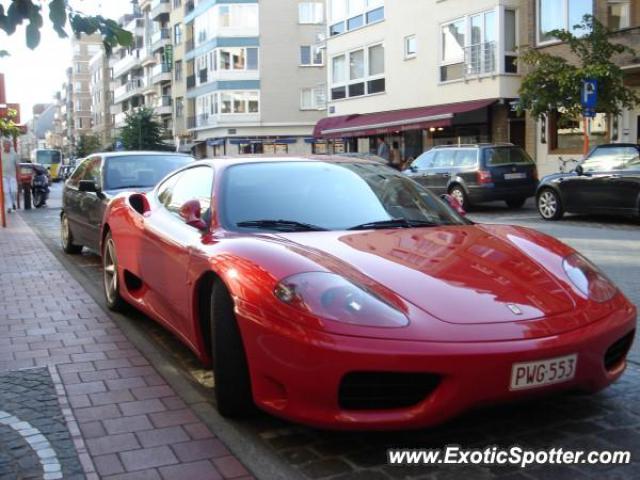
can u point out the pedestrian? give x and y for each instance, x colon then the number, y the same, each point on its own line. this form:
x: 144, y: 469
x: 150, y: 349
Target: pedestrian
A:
x: 396, y: 157
x: 383, y: 149
x: 9, y: 184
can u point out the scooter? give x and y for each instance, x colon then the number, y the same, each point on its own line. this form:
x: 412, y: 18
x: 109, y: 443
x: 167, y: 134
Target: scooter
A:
x: 40, y: 186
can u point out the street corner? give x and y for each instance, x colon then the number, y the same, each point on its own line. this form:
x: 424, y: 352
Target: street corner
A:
x: 35, y: 441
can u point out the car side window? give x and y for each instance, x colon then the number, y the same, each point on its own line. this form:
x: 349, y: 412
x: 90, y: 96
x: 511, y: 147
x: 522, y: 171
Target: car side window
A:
x: 92, y: 170
x: 78, y: 174
x: 424, y: 161
x: 605, y: 159
x: 191, y: 184
x: 444, y: 158
x: 466, y: 158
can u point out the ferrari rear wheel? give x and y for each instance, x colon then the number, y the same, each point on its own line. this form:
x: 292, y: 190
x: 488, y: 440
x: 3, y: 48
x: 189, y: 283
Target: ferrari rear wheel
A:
x: 111, y: 281
x: 230, y: 367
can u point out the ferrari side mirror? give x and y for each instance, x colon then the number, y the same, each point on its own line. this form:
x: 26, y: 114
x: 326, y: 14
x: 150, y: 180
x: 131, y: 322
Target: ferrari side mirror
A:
x: 190, y: 213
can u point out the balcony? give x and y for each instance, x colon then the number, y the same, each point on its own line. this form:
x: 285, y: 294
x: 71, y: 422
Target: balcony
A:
x: 191, y: 81
x: 189, y: 45
x: 480, y: 59
x: 164, y: 105
x: 127, y: 63
x: 161, y: 73
x: 129, y: 89
x: 160, y: 7
x: 160, y: 39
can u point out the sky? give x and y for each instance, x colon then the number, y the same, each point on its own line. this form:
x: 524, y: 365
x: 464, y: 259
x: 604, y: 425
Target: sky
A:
x: 34, y: 76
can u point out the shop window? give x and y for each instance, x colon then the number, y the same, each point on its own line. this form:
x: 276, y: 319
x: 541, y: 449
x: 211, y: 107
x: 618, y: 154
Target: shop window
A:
x: 567, y: 133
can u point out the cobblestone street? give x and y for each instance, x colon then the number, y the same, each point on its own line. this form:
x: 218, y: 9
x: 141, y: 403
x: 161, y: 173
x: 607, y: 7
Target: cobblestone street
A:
x: 271, y: 448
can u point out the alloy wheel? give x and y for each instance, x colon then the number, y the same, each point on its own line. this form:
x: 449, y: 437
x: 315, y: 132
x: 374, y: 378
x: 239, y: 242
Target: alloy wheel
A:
x: 110, y: 272
x: 548, y: 204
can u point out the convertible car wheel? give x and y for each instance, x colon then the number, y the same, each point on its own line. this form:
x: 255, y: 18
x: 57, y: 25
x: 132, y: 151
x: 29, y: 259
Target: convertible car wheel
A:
x: 549, y: 205
x: 67, y: 237
x: 230, y: 368
x: 110, y: 275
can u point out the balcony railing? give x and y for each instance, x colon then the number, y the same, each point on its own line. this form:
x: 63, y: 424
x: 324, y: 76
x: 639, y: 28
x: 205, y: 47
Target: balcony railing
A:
x: 130, y: 86
x: 159, y: 7
x: 161, y: 73
x: 159, y: 38
x: 128, y: 61
x: 480, y: 59
x: 164, y: 101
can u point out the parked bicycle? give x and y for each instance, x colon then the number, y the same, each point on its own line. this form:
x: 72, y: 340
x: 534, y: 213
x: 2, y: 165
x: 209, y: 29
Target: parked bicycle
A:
x: 567, y: 165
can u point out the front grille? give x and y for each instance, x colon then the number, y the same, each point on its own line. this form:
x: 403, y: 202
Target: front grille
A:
x: 384, y: 390
x: 616, y: 352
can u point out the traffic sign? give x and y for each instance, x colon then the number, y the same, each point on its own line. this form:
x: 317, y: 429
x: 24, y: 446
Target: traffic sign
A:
x: 589, y: 97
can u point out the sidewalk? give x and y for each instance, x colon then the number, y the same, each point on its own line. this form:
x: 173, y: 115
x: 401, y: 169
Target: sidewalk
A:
x: 77, y: 399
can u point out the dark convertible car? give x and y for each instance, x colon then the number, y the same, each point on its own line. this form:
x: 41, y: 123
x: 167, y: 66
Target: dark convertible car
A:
x: 607, y: 182
x: 97, y: 179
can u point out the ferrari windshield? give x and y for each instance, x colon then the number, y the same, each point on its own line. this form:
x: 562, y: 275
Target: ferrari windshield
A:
x: 295, y: 196
x: 140, y: 171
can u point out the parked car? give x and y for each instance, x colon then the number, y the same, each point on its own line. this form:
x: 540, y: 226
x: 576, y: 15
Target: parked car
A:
x: 607, y: 182
x: 477, y: 173
x: 96, y: 180
x: 340, y: 293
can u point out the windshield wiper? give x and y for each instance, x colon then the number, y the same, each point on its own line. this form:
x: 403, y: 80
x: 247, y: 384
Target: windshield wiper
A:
x: 393, y: 223
x: 281, y: 225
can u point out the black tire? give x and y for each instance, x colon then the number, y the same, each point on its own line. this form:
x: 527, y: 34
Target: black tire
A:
x: 27, y: 198
x: 230, y: 368
x: 549, y: 204
x: 457, y: 192
x: 515, y: 202
x: 110, y: 278
x: 38, y: 199
x: 66, y: 237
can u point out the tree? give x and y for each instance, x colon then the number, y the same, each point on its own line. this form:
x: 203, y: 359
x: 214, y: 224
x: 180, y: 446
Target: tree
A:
x: 555, y: 84
x: 60, y: 12
x: 142, y: 131
x: 87, y: 144
x: 8, y: 128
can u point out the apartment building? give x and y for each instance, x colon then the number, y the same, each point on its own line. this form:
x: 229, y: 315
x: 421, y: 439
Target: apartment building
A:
x: 181, y: 134
x: 422, y: 73
x: 255, y: 75
x: 556, y: 136
x: 100, y: 89
x: 83, y: 49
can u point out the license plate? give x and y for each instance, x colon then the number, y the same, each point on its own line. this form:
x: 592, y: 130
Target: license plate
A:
x: 544, y: 372
x: 515, y: 176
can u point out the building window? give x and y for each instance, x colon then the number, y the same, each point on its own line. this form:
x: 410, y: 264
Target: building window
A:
x: 78, y: 67
x: 363, y: 76
x: 223, y: 16
x: 560, y: 15
x: 179, y: 105
x: 313, y: 98
x: 566, y: 134
x: 177, y: 34
x: 619, y: 14
x: 410, y: 46
x: 311, y: 56
x: 178, y: 70
x: 311, y: 12
x: 351, y: 14
x: 177, y: 3
x: 208, y: 107
x: 469, y: 45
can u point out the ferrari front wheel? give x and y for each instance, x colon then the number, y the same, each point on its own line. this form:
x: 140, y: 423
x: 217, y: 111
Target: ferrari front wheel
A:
x: 230, y: 367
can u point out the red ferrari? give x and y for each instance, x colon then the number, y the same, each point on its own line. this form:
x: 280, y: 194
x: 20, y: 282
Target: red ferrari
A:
x: 341, y: 294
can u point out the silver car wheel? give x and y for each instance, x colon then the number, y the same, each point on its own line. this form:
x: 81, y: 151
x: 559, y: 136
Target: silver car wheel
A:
x: 548, y: 204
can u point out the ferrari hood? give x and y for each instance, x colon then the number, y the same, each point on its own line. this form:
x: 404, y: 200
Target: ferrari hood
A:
x: 462, y: 274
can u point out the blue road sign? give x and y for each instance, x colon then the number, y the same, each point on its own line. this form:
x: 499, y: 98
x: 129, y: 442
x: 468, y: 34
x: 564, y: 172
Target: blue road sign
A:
x: 589, y: 97
x: 119, y: 145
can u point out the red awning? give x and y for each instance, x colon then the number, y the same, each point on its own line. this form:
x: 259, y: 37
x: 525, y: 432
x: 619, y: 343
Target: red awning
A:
x: 367, y: 124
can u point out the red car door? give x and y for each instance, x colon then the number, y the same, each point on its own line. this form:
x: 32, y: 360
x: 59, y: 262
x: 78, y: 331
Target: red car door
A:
x: 168, y: 243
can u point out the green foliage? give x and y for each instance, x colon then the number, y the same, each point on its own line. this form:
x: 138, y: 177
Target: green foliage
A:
x: 556, y: 84
x: 20, y: 11
x: 7, y: 126
x: 142, y: 131
x: 87, y: 144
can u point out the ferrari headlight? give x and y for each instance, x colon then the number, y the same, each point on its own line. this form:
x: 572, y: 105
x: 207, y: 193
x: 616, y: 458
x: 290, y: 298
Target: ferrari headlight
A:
x: 588, y: 279
x: 332, y: 297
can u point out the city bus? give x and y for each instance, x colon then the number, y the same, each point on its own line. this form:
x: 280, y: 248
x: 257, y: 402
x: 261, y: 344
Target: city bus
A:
x: 49, y: 158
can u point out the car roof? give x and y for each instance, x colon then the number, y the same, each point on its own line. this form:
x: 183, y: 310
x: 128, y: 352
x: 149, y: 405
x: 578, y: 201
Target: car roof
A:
x: 245, y: 159
x: 132, y: 153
